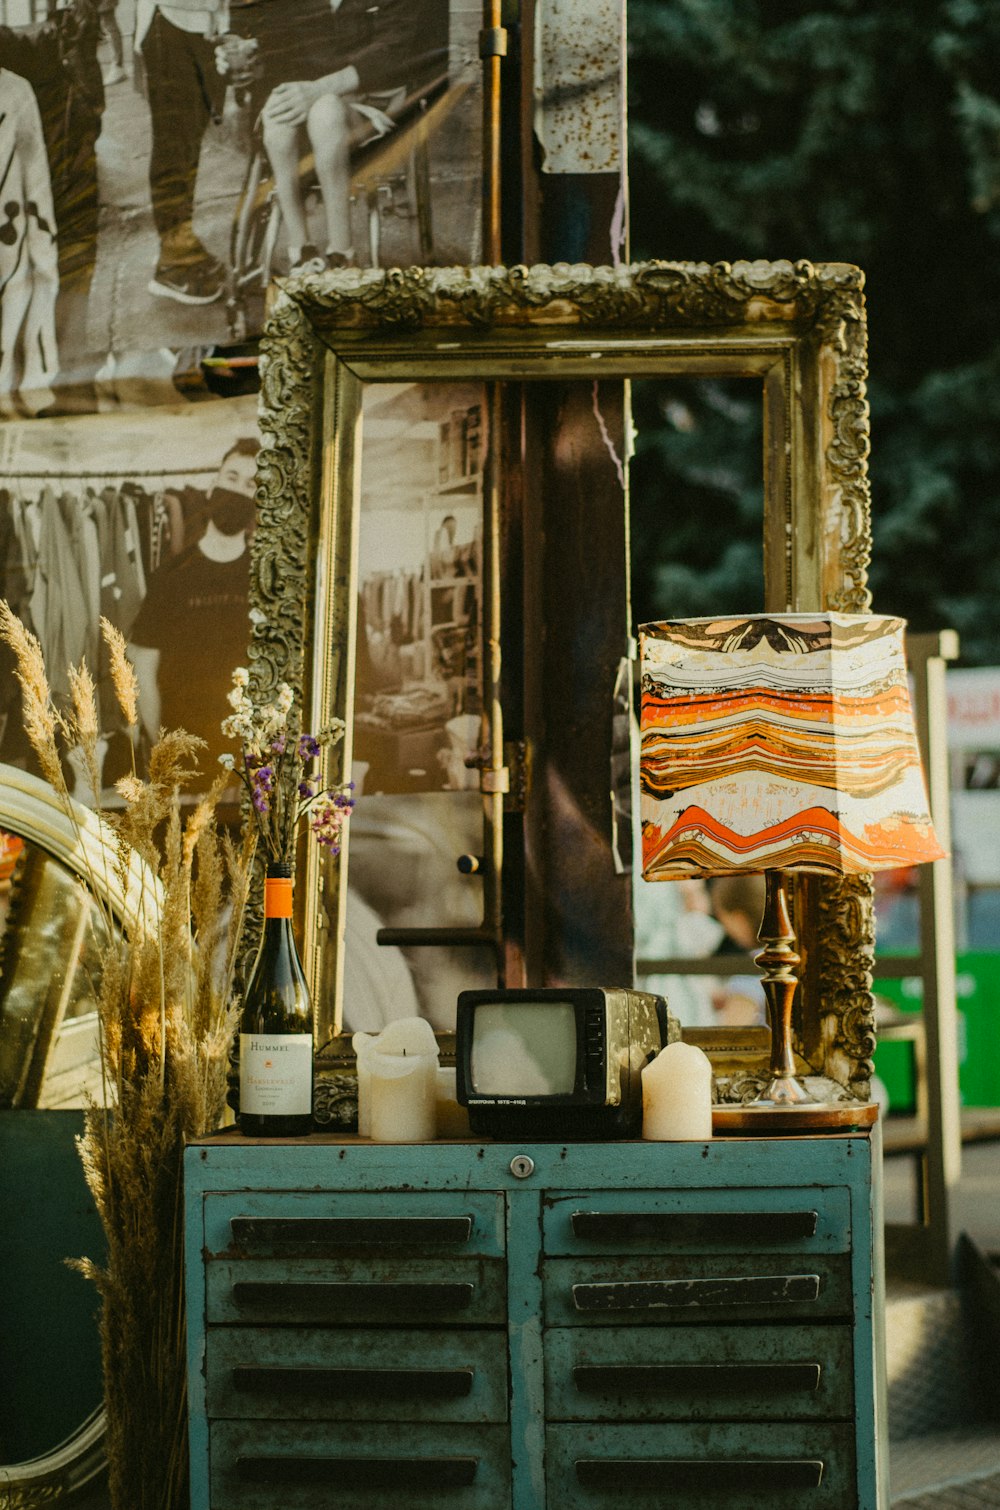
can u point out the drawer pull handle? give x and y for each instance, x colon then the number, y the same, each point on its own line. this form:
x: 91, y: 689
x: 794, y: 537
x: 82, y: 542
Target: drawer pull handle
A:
x: 322, y: 1297
x: 666, y: 1475
x: 648, y: 1295
x: 692, y: 1227
x: 251, y: 1232
x: 697, y: 1378
x: 349, y: 1383
x: 399, y: 1474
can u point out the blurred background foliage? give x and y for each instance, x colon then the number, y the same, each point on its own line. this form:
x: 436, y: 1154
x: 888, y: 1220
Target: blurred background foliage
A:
x: 860, y: 131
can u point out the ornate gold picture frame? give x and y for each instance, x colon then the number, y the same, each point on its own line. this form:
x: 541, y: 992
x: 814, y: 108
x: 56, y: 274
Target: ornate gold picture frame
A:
x: 796, y: 328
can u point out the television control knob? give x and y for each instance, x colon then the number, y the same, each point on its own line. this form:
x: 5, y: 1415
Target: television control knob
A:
x: 521, y: 1166
x: 470, y: 865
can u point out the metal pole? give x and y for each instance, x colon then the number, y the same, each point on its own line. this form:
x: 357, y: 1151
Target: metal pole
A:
x: 494, y: 778
x: 928, y: 654
x: 492, y: 49
x: 925, y: 1252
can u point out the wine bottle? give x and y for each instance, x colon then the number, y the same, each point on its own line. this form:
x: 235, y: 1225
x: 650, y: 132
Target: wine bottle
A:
x: 276, y: 1030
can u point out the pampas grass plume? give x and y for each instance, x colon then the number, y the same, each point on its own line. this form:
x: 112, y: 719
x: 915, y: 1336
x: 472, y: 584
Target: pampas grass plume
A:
x: 166, y: 1016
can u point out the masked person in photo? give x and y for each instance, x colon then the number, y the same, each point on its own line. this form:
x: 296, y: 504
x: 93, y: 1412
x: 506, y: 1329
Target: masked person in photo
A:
x: 192, y: 629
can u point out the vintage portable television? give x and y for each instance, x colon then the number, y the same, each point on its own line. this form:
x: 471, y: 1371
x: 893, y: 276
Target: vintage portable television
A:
x: 557, y: 1063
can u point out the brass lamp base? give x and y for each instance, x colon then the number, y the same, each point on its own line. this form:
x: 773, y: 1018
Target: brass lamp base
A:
x: 786, y: 1091
x: 776, y: 962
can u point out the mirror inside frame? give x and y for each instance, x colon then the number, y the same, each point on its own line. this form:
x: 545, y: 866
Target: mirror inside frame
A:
x: 352, y: 360
x: 416, y: 708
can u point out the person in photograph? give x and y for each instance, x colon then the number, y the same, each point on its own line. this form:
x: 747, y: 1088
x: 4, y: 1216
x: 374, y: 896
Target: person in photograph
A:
x: 738, y: 904
x: 177, y: 42
x: 675, y: 920
x: 192, y: 629
x: 107, y: 11
x: 443, y: 549
x: 29, y: 258
x: 59, y: 61
x: 348, y: 64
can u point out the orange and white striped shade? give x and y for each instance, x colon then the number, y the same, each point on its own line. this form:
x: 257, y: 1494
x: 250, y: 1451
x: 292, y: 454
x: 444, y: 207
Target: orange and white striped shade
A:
x: 779, y: 741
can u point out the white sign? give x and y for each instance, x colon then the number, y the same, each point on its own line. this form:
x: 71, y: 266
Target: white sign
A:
x: 974, y: 708
x: 975, y: 827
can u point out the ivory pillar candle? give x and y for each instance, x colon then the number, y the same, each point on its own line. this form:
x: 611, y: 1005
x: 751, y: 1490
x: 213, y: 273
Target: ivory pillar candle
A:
x: 397, y: 1082
x: 362, y: 1044
x: 677, y: 1095
x: 402, y: 1098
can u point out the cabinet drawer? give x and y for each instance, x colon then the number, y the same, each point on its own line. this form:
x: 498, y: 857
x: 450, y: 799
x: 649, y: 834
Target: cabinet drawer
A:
x: 465, y: 1291
x: 682, y: 1288
x: 352, y: 1375
x: 284, y: 1465
x: 814, y: 1220
x: 327, y: 1224
x: 722, y: 1466
x: 684, y: 1373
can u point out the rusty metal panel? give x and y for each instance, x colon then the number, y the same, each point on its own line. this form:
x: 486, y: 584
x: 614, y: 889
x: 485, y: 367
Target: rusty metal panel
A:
x: 689, y: 1373
x: 739, y: 1465
x: 707, y: 1288
x: 579, y: 107
x: 311, y: 1465
x: 356, y: 1373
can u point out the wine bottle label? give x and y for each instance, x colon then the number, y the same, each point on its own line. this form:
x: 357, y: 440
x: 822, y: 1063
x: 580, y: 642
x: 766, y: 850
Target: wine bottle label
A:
x: 276, y: 1074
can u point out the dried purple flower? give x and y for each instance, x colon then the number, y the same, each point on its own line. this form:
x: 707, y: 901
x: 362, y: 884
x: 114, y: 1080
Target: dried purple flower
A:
x: 327, y: 823
x: 273, y: 766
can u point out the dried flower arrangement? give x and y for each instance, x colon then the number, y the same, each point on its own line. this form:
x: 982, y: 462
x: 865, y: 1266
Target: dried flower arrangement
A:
x: 166, y: 1020
x: 276, y: 768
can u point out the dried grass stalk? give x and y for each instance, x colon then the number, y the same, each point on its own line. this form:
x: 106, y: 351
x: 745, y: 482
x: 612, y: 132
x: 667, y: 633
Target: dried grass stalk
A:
x: 166, y: 1017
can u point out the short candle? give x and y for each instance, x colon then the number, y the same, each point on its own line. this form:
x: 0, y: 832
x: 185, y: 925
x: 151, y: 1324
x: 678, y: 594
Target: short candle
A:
x: 677, y: 1095
x: 397, y: 1082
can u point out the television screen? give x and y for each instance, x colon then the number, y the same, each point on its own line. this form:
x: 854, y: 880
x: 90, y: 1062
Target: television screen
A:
x: 524, y: 1048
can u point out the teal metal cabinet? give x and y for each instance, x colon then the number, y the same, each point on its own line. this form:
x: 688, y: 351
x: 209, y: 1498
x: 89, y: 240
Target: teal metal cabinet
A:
x: 533, y: 1327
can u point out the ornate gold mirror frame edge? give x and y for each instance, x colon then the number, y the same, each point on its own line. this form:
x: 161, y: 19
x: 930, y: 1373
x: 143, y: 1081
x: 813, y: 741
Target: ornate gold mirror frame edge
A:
x: 75, y: 835
x: 31, y: 809
x: 798, y: 327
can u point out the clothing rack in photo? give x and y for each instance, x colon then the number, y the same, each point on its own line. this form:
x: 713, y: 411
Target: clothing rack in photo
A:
x: 81, y: 545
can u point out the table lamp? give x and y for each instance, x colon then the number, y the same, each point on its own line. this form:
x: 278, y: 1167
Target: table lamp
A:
x: 776, y: 743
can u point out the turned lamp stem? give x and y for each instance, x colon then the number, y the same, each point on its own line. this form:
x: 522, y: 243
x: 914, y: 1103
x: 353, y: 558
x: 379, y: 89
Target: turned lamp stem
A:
x: 776, y: 962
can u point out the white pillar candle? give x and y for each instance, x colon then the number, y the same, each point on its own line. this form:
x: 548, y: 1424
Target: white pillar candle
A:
x: 408, y: 1035
x: 677, y: 1094
x: 402, y: 1096
x: 397, y: 1082
x: 362, y: 1044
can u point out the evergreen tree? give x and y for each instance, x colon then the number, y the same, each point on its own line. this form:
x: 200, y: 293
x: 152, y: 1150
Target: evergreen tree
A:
x: 857, y: 131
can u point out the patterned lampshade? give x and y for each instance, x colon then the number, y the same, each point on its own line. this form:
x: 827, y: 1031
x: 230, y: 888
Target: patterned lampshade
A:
x: 779, y: 741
